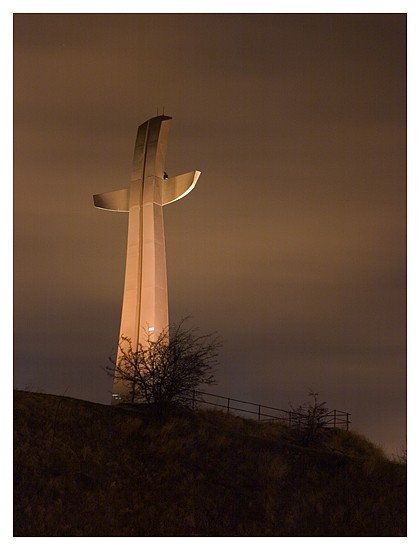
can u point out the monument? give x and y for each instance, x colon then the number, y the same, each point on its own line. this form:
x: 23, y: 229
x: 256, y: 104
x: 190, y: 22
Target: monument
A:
x: 145, y: 300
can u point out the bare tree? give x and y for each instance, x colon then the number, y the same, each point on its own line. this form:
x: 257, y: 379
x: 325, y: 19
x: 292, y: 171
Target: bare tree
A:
x: 309, y: 419
x: 168, y: 367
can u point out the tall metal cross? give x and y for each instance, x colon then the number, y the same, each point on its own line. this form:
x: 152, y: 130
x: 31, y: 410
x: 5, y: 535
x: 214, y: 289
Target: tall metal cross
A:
x: 145, y: 300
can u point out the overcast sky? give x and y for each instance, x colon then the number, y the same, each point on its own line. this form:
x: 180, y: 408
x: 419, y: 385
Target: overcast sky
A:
x: 293, y: 244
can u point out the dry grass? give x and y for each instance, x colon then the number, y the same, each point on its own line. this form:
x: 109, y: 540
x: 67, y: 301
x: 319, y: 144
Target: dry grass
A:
x: 83, y: 469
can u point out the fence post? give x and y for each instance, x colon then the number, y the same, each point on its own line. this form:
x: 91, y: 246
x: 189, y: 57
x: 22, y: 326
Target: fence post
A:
x: 347, y: 421
x: 228, y: 405
x: 335, y: 418
x: 259, y: 413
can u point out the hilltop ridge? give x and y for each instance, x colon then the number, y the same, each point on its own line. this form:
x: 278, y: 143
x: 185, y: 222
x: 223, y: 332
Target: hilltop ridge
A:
x: 84, y: 469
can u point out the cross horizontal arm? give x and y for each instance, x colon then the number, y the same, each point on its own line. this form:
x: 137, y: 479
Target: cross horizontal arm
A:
x: 117, y: 201
x: 177, y: 187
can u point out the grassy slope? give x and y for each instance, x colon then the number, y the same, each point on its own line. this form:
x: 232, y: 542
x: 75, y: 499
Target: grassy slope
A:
x: 85, y: 469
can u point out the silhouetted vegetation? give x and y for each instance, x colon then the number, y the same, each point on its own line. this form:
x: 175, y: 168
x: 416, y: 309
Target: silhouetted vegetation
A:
x: 84, y: 469
x: 168, y: 367
x: 309, y: 420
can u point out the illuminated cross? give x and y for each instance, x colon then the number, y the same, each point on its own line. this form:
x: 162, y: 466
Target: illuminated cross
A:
x: 145, y: 301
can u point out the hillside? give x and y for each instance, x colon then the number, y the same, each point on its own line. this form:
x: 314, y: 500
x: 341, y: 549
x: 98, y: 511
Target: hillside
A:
x: 83, y: 469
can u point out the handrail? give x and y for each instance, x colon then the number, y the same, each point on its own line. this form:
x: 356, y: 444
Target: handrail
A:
x: 332, y: 419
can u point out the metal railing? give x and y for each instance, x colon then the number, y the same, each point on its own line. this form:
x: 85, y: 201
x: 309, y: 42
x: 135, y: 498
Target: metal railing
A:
x: 331, y: 419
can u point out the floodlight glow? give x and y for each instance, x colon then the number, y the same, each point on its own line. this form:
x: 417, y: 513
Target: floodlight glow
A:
x: 145, y: 300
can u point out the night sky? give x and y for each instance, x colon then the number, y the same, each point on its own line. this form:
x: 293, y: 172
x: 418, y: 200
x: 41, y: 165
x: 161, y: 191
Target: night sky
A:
x: 293, y: 244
